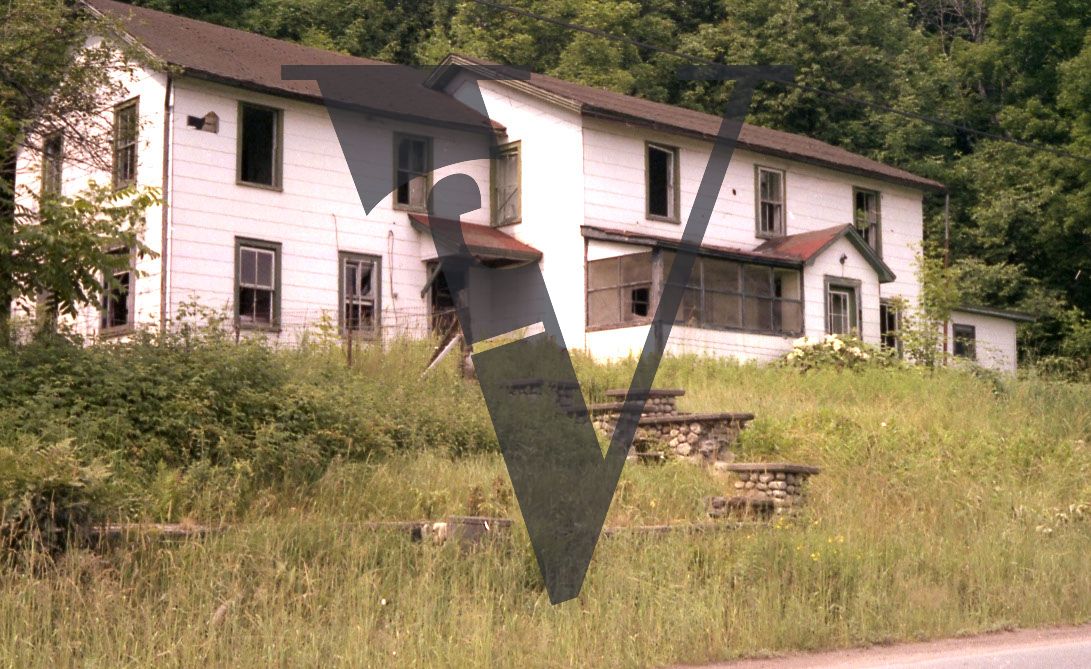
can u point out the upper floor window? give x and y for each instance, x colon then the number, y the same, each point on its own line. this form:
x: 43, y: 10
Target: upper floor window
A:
x: 52, y: 164
x: 126, y: 136
x: 866, y: 217
x: 359, y: 294
x: 661, y: 167
x: 260, y: 156
x: 117, y: 308
x: 257, y: 283
x: 965, y: 345
x: 770, y: 191
x: 412, y: 171
x: 506, y: 190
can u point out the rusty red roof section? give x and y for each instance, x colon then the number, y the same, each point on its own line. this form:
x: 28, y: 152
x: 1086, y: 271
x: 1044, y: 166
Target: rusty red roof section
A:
x: 803, y: 246
x: 606, y: 104
x: 236, y: 57
x: 485, y: 242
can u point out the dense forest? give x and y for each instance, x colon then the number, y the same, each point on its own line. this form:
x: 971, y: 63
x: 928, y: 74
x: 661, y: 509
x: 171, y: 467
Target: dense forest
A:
x: 1010, y: 80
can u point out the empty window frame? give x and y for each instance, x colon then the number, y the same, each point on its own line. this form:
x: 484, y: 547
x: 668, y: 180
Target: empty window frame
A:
x: 412, y: 171
x: 842, y: 307
x: 359, y: 294
x: 125, y: 140
x: 52, y: 164
x: 770, y: 202
x: 866, y: 217
x: 260, y: 154
x: 257, y: 283
x: 965, y: 341
x: 729, y: 295
x: 117, y: 295
x: 506, y: 186
x: 890, y: 322
x: 661, y: 170
x: 619, y: 291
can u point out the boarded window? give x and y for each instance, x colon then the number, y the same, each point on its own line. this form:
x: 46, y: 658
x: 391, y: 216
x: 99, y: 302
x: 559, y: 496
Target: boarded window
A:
x: 866, y: 217
x: 257, y: 303
x: 662, y: 182
x: 412, y: 167
x: 52, y: 164
x: 770, y: 202
x: 507, y: 194
x: 259, y: 145
x: 965, y: 345
x: 360, y: 294
x: 117, y: 296
x: 619, y: 290
x: 126, y: 136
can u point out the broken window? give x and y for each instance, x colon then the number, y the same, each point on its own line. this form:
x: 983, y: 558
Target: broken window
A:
x: 965, y: 344
x: 770, y: 202
x: 889, y: 324
x: 412, y: 166
x: 52, y: 164
x: 662, y: 170
x: 126, y: 135
x: 866, y: 217
x: 117, y: 296
x: 259, y: 145
x: 619, y: 290
x: 359, y: 294
x: 257, y: 298
x: 506, y: 187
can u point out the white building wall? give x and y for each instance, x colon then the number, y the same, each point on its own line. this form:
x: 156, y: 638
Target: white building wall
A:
x: 995, y: 339
x: 316, y: 214
x: 828, y: 264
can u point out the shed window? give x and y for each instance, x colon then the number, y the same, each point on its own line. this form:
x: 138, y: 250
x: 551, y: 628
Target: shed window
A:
x: 413, y: 165
x: 662, y: 166
x: 259, y: 145
x: 507, y: 193
x: 619, y: 290
x: 965, y: 345
x: 359, y: 294
x: 126, y: 136
x: 257, y: 296
x: 770, y: 216
x: 52, y: 164
x: 117, y: 296
x: 866, y: 217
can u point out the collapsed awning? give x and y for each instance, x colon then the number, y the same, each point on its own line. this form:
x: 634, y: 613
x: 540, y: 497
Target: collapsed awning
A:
x: 489, y: 245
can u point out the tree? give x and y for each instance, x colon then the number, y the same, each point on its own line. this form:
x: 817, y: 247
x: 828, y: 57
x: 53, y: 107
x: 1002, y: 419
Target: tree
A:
x: 53, y: 81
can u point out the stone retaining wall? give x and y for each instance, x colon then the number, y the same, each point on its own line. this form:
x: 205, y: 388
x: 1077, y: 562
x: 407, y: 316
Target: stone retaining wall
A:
x: 783, y: 483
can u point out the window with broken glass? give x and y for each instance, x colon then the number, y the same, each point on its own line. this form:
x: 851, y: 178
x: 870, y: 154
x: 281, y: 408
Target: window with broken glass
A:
x: 359, y: 294
x: 257, y: 298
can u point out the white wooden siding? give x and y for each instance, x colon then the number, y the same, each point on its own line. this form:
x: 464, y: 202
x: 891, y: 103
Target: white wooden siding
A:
x: 995, y: 339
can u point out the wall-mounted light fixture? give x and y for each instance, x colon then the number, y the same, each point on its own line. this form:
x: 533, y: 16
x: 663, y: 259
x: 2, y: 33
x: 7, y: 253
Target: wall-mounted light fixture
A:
x: 210, y: 122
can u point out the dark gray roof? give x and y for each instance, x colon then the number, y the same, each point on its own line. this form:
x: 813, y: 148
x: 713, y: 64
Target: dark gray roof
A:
x: 996, y: 313
x: 606, y: 104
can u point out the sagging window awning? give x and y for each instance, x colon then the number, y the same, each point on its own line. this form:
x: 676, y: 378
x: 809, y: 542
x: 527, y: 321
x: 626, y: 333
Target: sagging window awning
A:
x: 489, y: 245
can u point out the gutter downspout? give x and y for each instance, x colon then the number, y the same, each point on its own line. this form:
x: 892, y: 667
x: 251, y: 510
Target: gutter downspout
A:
x: 946, y: 261
x: 164, y: 237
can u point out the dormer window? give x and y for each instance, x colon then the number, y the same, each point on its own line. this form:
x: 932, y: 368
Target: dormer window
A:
x: 661, y: 169
x: 770, y: 202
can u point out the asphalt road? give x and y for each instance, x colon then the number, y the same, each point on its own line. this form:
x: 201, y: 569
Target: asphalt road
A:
x: 1057, y: 648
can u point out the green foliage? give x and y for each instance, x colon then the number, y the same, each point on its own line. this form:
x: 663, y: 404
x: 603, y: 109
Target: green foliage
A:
x: 836, y: 352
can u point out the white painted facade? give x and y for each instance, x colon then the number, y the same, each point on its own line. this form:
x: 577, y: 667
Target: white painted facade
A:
x: 994, y: 339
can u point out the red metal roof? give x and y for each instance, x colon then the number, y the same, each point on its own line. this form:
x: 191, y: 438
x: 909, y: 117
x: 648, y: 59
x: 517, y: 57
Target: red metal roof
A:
x: 804, y: 245
x: 485, y: 242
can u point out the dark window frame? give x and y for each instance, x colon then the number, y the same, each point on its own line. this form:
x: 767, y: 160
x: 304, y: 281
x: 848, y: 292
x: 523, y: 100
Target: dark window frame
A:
x: 52, y: 179
x: 890, y: 325
x: 621, y: 287
x: 674, y: 197
x: 501, y: 152
x: 107, y: 326
x: 966, y: 340
x: 426, y: 174
x: 872, y: 232
x: 129, y: 146
x: 258, y: 245
x: 375, y: 330
x: 854, y: 287
x: 781, y: 224
x: 277, y: 167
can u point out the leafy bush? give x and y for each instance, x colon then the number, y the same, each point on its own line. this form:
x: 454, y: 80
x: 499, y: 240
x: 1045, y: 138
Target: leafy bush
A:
x: 835, y: 352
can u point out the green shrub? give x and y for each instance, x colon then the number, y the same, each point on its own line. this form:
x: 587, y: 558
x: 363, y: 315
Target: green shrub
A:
x: 836, y: 352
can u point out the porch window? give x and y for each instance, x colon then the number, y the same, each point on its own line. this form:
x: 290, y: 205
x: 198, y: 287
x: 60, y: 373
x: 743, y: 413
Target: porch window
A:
x: 841, y: 309
x: 257, y: 294
x: 619, y: 290
x: 412, y: 168
x: 770, y: 191
x: 360, y: 286
x: 52, y: 164
x: 507, y: 194
x: 662, y: 181
x: 965, y: 345
x: 259, y: 151
x: 126, y: 135
x: 866, y: 217
x: 116, y: 312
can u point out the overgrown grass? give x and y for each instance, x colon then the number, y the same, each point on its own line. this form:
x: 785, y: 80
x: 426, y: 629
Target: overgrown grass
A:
x: 948, y: 504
